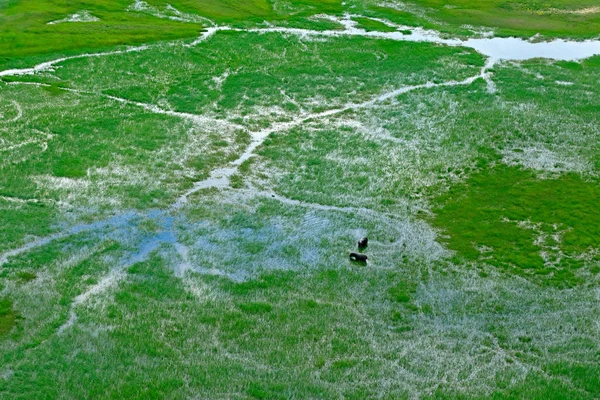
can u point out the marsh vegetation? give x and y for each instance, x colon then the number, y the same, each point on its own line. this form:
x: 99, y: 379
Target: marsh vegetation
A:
x: 179, y: 193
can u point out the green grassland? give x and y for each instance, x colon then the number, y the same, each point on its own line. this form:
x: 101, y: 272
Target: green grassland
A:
x: 520, y: 17
x: 24, y: 29
x: 122, y: 276
x: 560, y: 222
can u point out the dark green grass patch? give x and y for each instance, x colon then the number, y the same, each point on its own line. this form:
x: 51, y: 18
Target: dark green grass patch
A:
x: 69, y: 167
x: 372, y: 25
x: 8, y: 318
x: 54, y: 89
x: 255, y: 308
x: 506, y: 217
x: 25, y: 276
x: 401, y: 292
x: 535, y: 386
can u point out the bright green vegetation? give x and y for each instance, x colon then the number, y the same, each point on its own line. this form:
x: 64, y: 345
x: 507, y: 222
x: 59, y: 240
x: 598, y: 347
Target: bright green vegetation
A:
x: 510, y: 218
x: 24, y: 29
x: 478, y: 198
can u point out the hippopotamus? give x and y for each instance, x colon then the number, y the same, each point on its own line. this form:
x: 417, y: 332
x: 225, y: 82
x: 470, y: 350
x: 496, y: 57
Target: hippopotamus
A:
x: 358, y: 257
x: 362, y: 243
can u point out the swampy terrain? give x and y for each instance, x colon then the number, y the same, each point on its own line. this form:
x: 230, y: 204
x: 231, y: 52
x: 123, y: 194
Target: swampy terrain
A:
x: 182, y: 182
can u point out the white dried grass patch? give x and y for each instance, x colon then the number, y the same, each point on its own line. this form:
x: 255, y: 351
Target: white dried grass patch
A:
x: 580, y: 11
x: 200, y: 290
x: 62, y: 183
x: 79, y: 16
x: 116, y: 173
x: 545, y: 160
x: 7, y: 374
x: 480, y: 31
x: 90, y: 298
x: 221, y: 79
x: 463, y: 308
x: 89, y: 190
x: 403, y: 6
x: 167, y: 12
x: 276, y: 112
x: 419, y: 151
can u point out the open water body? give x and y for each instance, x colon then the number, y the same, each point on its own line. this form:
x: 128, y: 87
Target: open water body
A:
x: 519, y: 49
x: 496, y: 48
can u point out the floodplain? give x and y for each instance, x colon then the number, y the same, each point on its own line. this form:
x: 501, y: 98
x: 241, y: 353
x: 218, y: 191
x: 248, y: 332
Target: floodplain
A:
x: 181, y: 185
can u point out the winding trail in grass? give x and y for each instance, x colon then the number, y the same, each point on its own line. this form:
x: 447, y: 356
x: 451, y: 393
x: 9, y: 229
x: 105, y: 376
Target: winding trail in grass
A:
x: 581, y: 11
x: 49, y: 65
x: 17, y: 117
x: 200, y: 120
x: 205, y: 35
x: 43, y: 142
x: 147, y: 246
x: 220, y: 177
x: 197, y: 119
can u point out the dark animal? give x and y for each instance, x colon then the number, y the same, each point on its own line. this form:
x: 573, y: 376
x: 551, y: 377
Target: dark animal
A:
x: 362, y: 243
x: 358, y: 257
